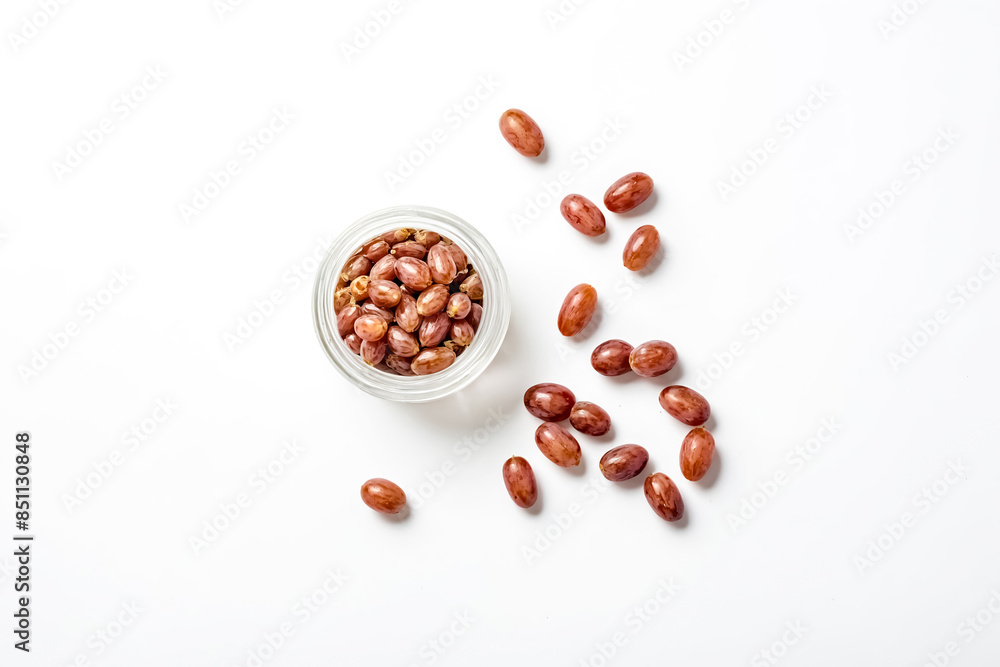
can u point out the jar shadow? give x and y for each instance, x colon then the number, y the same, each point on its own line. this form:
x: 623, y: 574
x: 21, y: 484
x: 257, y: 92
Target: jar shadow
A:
x: 486, y: 404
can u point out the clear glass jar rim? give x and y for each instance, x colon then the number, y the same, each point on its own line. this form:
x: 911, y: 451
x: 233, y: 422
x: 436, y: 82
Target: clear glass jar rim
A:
x: 492, y: 327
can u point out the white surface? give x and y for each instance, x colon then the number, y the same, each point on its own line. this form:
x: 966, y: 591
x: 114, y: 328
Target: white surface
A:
x: 460, y: 552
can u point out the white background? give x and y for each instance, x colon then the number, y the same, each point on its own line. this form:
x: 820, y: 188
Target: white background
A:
x: 465, y: 549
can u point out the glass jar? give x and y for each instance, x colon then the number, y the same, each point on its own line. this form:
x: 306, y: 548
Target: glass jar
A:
x: 492, y: 327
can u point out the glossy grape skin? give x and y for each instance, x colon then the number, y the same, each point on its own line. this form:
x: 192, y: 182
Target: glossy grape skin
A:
x: 394, y: 236
x: 427, y: 238
x: 583, y: 215
x: 549, y: 401
x: 407, y: 316
x: 641, y: 248
x: 653, y: 358
x: 358, y: 265
x: 346, y: 319
x: 558, y: 445
x: 401, y: 365
x: 434, y: 329
x: 628, y: 192
x: 432, y: 300
x: 380, y: 287
x: 461, y: 259
x: 442, y: 264
x: 414, y: 273
x: 461, y: 333
x: 353, y: 341
x: 685, y: 404
x: 402, y: 343
x: 459, y: 306
x: 577, y: 309
x: 611, y: 358
x: 522, y: 132
x: 369, y: 308
x: 473, y: 286
x: 384, y: 269
x: 475, y: 316
x: 696, y: 455
x: 384, y: 293
x: 409, y: 249
x: 432, y: 360
x: 519, y: 479
x: 590, y: 419
x: 383, y: 496
x: 663, y: 497
x: 371, y: 327
x: 623, y: 463
x: 375, y: 250
x: 373, y: 352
